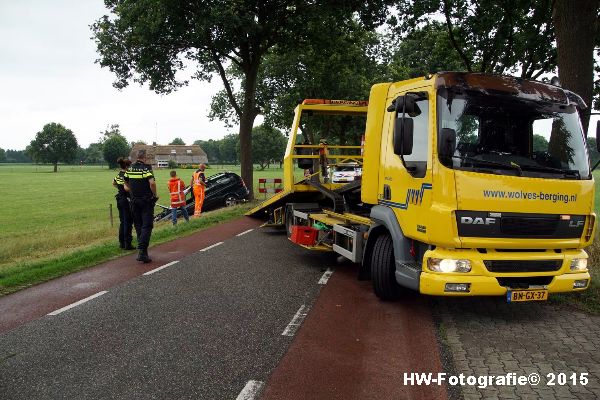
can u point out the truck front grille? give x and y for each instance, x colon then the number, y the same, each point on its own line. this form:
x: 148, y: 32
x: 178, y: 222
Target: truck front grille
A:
x: 524, y: 226
x: 525, y: 282
x: 522, y: 266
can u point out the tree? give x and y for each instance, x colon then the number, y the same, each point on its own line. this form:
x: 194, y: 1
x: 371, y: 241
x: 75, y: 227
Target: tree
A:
x: 594, y: 155
x: 147, y: 41
x: 577, y: 23
x: 540, y: 143
x: 177, y: 141
x: 491, y: 36
x: 2, y: 155
x: 269, y: 144
x: 426, y: 49
x: 229, y: 149
x: 17, y: 156
x: 111, y: 130
x: 93, y: 154
x: 114, y: 147
x: 211, y: 148
x: 53, y: 144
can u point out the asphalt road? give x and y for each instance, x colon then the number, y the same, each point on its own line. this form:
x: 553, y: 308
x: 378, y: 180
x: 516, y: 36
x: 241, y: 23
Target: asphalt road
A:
x: 201, y: 328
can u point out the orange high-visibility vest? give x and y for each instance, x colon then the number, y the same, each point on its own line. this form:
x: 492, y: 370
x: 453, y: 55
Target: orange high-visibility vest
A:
x: 176, y: 187
x: 198, y: 181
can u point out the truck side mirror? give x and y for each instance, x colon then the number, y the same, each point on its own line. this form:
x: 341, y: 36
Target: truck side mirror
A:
x: 408, y: 105
x: 447, y: 143
x: 403, y: 136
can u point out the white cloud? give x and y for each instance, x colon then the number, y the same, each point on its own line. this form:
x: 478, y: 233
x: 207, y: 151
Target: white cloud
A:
x: 47, y: 74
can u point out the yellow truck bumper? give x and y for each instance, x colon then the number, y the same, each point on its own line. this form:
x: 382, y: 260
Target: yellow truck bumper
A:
x: 435, y: 284
x: 484, y: 283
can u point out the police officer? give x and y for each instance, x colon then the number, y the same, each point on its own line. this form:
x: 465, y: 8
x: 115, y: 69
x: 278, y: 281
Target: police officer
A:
x: 139, y: 182
x: 123, y: 206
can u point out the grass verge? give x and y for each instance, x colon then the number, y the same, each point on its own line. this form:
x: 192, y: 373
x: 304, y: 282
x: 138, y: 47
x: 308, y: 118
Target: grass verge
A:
x: 588, y: 300
x: 22, y: 275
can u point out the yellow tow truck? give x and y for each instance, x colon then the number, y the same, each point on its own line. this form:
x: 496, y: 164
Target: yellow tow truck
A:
x: 472, y: 185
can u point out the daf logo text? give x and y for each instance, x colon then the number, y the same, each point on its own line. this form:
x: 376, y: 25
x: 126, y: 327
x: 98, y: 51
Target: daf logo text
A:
x: 477, y: 221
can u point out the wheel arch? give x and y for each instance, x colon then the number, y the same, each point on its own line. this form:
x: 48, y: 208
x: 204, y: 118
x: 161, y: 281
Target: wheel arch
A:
x: 385, y: 221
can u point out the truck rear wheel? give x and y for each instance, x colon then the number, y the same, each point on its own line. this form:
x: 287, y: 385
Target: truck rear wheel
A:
x: 383, y: 269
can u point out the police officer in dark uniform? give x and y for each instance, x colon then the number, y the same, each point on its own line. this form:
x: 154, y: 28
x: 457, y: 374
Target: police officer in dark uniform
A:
x: 122, y: 197
x: 139, y: 182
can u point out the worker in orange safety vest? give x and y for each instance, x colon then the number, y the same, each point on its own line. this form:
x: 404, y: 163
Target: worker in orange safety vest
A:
x: 176, y: 188
x: 199, y: 184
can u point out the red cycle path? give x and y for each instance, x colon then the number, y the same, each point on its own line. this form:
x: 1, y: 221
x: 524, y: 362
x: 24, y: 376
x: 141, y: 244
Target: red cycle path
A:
x: 32, y: 303
x: 354, y: 346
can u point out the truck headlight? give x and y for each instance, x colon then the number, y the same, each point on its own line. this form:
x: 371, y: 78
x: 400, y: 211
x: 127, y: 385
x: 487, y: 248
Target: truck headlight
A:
x: 448, y: 265
x: 579, y: 264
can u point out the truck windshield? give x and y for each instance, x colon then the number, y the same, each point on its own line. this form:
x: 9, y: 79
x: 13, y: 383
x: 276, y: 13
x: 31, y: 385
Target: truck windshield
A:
x: 509, y: 135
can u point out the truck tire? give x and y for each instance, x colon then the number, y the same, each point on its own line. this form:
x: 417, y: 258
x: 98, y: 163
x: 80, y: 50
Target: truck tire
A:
x: 383, y: 269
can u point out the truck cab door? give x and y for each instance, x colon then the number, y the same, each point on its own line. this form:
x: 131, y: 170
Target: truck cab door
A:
x: 406, y: 183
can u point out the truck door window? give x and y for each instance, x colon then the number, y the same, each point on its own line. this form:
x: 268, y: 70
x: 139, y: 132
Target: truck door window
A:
x: 416, y: 163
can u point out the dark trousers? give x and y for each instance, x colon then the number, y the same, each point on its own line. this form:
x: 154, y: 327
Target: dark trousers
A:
x: 126, y: 221
x: 143, y: 220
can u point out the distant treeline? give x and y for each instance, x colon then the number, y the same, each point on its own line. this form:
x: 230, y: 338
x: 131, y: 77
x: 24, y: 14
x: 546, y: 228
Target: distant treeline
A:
x: 14, y: 156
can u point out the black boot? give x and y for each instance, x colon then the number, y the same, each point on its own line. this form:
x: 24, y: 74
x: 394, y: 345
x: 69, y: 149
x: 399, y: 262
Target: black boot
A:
x: 143, y: 256
x: 128, y: 247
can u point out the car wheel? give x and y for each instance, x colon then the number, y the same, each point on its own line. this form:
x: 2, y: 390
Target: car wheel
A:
x: 231, y: 200
x: 383, y: 269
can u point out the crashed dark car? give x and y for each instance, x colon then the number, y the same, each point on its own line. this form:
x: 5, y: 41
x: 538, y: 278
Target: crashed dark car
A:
x: 222, y: 189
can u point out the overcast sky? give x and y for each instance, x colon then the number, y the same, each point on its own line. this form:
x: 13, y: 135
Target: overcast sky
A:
x: 47, y: 74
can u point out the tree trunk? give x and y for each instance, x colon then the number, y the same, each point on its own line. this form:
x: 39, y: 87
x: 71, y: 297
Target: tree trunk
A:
x: 249, y: 113
x: 55, y: 167
x: 575, y: 24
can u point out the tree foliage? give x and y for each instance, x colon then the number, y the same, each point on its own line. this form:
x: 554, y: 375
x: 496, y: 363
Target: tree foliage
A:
x: 113, y: 145
x: 269, y: 145
x: 17, y: 156
x: 178, y: 141
x: 53, y: 144
x: 424, y: 50
x: 93, y: 154
x: 344, y: 66
x: 211, y: 148
x: 229, y: 148
x: 507, y: 36
x: 2, y: 155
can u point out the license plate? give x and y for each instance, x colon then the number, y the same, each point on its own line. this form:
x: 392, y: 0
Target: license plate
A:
x: 526, y: 295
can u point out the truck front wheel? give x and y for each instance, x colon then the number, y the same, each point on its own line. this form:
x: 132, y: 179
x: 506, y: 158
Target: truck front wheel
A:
x: 383, y: 269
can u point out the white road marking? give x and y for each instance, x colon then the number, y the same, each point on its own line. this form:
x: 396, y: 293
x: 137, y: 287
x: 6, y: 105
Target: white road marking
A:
x: 251, y: 390
x: 159, y: 268
x: 210, y: 247
x: 243, y: 233
x: 326, y: 276
x: 293, y: 326
x: 78, y: 303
